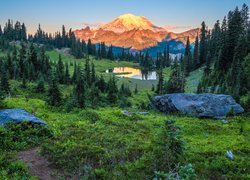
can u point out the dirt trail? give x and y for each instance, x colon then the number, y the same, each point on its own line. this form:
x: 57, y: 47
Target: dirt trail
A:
x: 38, y: 165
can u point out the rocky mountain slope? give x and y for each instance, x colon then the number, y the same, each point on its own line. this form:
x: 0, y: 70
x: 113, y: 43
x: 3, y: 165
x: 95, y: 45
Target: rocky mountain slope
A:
x: 135, y: 32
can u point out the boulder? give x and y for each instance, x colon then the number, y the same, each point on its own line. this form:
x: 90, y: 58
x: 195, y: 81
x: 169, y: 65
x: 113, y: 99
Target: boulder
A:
x: 18, y: 115
x: 200, y: 105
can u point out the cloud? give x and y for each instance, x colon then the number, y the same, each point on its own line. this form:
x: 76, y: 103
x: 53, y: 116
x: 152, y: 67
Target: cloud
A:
x: 91, y: 25
x: 176, y: 28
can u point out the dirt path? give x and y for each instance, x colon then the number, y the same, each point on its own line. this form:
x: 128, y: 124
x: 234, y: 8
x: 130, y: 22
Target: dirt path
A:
x: 38, y: 165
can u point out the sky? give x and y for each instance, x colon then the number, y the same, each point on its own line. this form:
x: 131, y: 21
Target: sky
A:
x: 176, y: 15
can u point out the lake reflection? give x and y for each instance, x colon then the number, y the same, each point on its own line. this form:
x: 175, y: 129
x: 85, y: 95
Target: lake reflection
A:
x: 129, y: 72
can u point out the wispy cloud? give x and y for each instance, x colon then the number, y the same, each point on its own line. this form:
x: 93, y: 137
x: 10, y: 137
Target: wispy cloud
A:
x: 91, y: 25
x: 176, y: 28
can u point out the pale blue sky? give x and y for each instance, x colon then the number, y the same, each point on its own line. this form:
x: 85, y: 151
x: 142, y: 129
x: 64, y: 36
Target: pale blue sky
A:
x: 51, y: 14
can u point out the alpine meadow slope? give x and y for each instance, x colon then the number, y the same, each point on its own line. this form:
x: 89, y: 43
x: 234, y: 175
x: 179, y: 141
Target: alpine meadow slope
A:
x: 125, y: 100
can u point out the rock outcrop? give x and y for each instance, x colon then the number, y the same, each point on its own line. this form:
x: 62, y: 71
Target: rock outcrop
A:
x: 200, y: 105
x: 17, y: 116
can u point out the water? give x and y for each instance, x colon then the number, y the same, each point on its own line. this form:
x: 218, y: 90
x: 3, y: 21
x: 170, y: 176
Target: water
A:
x: 133, y: 73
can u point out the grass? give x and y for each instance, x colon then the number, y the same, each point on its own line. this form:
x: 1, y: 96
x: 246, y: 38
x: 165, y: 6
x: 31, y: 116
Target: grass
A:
x: 105, y: 135
x: 193, y: 80
x: 100, y: 65
x: 102, y: 143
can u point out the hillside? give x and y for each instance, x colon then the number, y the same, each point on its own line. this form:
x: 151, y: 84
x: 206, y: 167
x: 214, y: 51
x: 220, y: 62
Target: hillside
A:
x: 86, y: 133
x: 125, y: 99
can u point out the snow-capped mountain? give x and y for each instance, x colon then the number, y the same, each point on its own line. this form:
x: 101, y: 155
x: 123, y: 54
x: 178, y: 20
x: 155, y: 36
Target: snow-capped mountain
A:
x: 135, y: 32
x: 128, y: 22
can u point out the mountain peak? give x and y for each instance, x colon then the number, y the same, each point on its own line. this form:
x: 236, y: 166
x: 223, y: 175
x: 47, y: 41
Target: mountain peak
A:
x: 127, y: 22
x: 131, y: 31
x: 128, y: 15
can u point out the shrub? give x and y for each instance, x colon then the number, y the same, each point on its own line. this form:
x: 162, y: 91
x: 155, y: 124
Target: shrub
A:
x: 91, y: 116
x: 17, y: 136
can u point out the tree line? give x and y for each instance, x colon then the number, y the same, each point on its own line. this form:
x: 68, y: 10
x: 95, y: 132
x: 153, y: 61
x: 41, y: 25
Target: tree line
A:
x: 226, y: 48
x: 61, y: 39
x: 222, y: 53
x: 29, y: 63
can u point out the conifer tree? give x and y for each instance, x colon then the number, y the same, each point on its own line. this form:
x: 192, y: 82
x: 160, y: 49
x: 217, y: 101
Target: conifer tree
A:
x: 136, y: 89
x: 176, y: 82
x: 32, y: 58
x: 64, y: 37
x: 123, y: 55
x: 214, y: 41
x: 99, y: 53
x: 167, y: 56
x: 14, y: 62
x: 101, y: 84
x: 67, y: 75
x: 89, y: 47
x: 24, y: 82
x: 234, y: 30
x: 158, y: 62
x: 103, y: 50
x: 112, y: 91
x: 207, y: 69
x: 74, y: 73
x: 40, y: 88
x: 122, y: 88
x: 235, y: 72
x: 163, y: 59
x: 54, y: 93
x: 23, y: 36
x: 87, y: 73
x: 187, y: 64
x: 60, y: 70
x: 5, y: 86
x: 202, y: 51
x: 93, y: 95
x: 22, y: 59
x: 79, y: 91
x: 93, y: 50
x: 153, y: 88
x: 222, y: 56
x: 10, y: 66
x: 110, y: 54
x: 93, y: 76
x: 196, y: 54
x: 146, y: 62
x: 160, y: 85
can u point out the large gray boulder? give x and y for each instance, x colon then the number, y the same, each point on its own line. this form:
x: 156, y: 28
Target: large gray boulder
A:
x: 200, y: 105
x: 17, y: 116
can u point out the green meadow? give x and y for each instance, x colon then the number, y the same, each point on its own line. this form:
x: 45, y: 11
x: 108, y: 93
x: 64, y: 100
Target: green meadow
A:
x: 103, y: 143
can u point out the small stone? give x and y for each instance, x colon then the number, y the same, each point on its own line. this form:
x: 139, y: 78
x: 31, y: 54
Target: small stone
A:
x: 229, y: 155
x: 143, y: 113
x: 126, y: 113
x: 224, y: 121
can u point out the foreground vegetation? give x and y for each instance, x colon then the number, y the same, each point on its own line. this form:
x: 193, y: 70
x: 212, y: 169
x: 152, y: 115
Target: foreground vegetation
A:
x: 100, y: 142
x: 104, y: 143
x: 102, y: 127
